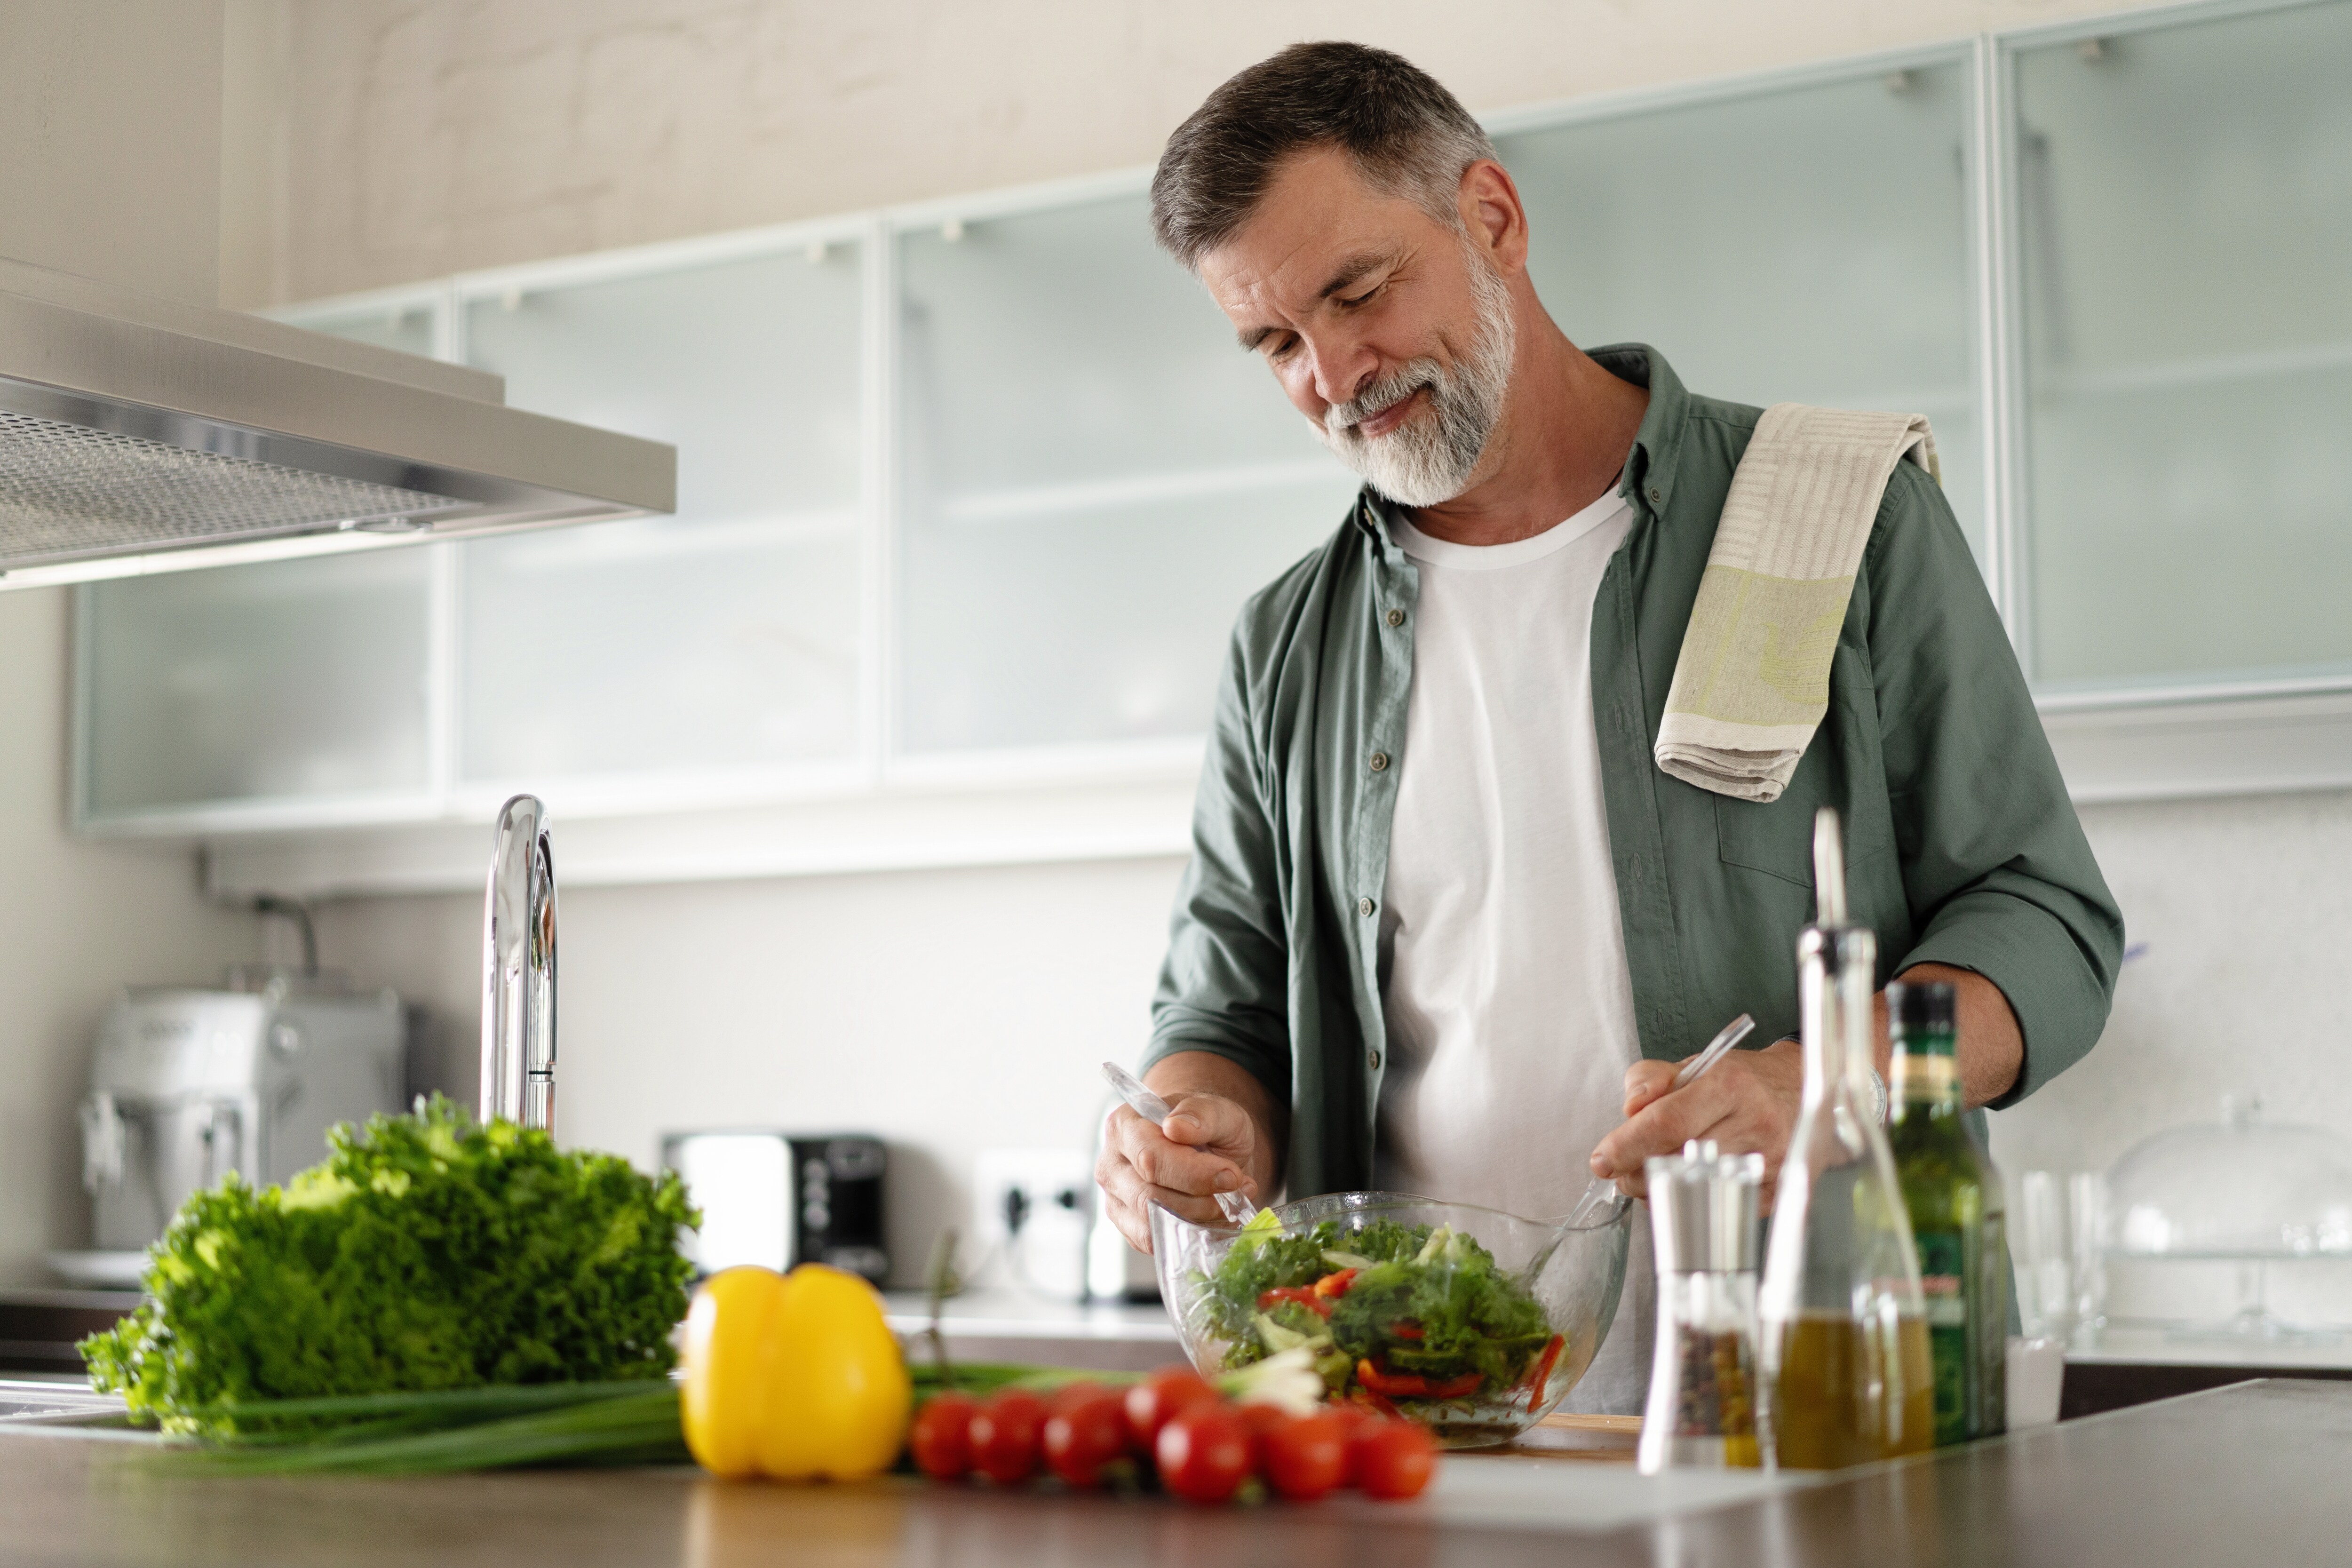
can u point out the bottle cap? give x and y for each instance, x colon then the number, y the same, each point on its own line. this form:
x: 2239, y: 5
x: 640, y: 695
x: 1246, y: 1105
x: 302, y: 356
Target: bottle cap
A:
x: 1702, y: 1209
x: 1922, y: 1007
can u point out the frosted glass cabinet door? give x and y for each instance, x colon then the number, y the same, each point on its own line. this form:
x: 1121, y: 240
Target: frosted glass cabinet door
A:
x: 1093, y: 477
x: 408, y: 328
x: 1803, y: 245
x: 726, y: 635
x: 293, y: 679
x: 2186, y: 244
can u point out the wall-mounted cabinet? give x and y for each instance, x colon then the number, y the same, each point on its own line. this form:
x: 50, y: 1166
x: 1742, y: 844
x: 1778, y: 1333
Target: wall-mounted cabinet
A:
x: 970, y: 492
x: 2184, y: 270
x: 725, y: 638
x: 1090, y: 480
x: 1800, y: 242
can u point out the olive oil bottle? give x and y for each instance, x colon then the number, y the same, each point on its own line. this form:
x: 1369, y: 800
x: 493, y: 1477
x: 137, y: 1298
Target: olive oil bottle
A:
x: 1958, y: 1216
x: 1847, y: 1367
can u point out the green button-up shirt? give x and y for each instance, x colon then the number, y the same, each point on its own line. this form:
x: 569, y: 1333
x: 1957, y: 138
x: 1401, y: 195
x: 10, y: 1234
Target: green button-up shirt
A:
x: 1961, y: 845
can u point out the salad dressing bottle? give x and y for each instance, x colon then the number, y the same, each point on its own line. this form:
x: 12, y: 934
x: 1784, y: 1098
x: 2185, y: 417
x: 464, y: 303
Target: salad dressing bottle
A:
x: 1958, y: 1216
x: 1847, y: 1370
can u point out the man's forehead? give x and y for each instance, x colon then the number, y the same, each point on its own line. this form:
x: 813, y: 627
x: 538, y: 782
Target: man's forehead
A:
x: 1319, y: 226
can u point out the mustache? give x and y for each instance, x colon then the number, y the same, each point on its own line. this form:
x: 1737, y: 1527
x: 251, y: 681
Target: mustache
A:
x: 1341, y: 418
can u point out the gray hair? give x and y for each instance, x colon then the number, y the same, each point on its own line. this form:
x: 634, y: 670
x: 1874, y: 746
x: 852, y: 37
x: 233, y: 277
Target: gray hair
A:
x: 1408, y: 136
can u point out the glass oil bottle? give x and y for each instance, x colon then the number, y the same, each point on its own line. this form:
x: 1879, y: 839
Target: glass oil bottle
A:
x: 1848, y: 1375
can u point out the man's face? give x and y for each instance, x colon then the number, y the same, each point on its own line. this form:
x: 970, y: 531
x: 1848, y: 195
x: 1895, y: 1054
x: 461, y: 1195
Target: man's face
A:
x: 1387, y: 329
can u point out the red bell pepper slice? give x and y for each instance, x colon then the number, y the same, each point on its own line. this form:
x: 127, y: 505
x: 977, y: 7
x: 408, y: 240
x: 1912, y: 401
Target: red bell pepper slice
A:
x: 1406, y: 1330
x: 1542, y: 1372
x: 1366, y: 1396
x: 1334, y: 1286
x: 1308, y: 1298
x: 1393, y: 1385
x: 1457, y: 1388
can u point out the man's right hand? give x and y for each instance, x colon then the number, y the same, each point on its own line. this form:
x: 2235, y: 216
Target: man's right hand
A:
x: 1209, y: 1145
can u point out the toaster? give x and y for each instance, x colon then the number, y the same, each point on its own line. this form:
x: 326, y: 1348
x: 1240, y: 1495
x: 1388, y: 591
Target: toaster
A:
x: 778, y: 1199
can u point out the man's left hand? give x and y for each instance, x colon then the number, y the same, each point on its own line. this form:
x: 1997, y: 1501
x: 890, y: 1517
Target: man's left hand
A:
x: 1748, y: 1104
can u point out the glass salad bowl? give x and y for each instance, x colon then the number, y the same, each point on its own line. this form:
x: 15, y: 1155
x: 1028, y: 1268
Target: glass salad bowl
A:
x: 1470, y: 1322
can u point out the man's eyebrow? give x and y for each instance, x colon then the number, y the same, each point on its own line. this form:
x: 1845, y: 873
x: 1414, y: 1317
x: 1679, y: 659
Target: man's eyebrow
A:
x: 1349, y: 272
x: 1352, y: 271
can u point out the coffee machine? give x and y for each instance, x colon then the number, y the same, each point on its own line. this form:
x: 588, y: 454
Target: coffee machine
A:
x: 188, y: 1084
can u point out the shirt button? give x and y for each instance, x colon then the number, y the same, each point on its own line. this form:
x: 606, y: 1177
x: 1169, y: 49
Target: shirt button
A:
x: 1379, y: 762
x: 1365, y: 906
x: 1372, y: 1060
x: 1655, y: 496
x: 1396, y: 618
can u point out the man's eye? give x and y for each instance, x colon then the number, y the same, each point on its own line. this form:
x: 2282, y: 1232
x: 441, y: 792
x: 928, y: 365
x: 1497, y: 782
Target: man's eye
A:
x: 1281, y: 348
x: 1360, y: 299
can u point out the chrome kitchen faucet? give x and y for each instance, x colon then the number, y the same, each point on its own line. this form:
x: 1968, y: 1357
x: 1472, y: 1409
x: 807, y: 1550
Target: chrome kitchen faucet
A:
x: 518, y: 970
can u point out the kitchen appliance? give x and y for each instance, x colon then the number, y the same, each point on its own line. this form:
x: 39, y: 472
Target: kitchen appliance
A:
x: 140, y: 435
x: 1703, y: 1406
x: 189, y: 1084
x: 777, y: 1199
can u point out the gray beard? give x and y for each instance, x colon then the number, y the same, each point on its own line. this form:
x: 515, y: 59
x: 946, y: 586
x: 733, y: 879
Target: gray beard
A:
x: 1426, y: 460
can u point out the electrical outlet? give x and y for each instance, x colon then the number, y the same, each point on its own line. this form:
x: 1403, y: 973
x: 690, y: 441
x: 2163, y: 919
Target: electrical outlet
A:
x: 1032, y: 1215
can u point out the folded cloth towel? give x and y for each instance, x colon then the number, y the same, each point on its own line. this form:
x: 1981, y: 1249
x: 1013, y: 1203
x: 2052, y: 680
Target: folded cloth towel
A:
x: 1752, y: 681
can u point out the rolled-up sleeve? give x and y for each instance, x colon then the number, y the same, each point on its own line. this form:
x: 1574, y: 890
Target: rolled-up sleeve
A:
x: 1224, y: 987
x: 2000, y: 880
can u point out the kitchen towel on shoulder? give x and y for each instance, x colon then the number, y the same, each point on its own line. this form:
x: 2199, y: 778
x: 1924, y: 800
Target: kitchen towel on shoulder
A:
x: 1752, y: 681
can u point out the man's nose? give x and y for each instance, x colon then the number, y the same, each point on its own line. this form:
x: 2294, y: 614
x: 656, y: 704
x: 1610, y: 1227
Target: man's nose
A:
x: 1342, y: 369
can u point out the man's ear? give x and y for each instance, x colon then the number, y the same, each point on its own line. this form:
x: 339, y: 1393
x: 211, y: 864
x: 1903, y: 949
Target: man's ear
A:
x: 1494, y: 216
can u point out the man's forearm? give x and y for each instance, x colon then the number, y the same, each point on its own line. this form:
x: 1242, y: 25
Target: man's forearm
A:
x: 1205, y: 1072
x: 1992, y: 1048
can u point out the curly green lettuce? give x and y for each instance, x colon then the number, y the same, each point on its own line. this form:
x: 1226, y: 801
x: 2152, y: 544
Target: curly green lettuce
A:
x: 1426, y: 1312
x: 423, y: 1253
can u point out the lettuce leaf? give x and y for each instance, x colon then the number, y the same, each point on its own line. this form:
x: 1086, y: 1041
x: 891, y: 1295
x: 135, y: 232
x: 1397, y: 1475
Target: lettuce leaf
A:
x: 425, y: 1253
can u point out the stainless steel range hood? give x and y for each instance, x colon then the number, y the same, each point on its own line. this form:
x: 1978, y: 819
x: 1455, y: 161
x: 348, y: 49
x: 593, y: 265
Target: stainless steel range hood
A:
x: 139, y: 434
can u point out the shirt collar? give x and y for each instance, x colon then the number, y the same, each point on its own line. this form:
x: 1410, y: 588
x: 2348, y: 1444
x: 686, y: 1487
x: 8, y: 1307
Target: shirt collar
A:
x: 1650, y: 466
x: 1649, y: 481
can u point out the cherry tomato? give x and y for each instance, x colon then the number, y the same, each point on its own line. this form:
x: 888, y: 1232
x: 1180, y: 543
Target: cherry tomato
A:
x: 1080, y: 1439
x: 1204, y: 1453
x: 1392, y: 1459
x: 1074, y: 1394
x: 942, y: 1438
x: 1352, y: 1417
x: 1004, y: 1436
x: 1151, y: 1402
x: 1307, y: 1457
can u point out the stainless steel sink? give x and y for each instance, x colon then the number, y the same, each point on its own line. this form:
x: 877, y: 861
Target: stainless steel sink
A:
x: 26, y: 1404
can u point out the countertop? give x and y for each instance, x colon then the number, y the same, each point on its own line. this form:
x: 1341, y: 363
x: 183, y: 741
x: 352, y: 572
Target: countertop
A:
x: 2251, y: 1473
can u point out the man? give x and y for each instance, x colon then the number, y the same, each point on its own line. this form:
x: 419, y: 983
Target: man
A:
x: 1447, y: 926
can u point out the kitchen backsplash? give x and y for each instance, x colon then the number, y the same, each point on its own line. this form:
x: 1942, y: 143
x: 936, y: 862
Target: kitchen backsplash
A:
x: 953, y: 1011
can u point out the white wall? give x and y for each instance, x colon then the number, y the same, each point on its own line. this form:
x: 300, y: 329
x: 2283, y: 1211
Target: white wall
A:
x: 948, y: 1011
x: 457, y: 133
x: 76, y: 922
x: 110, y: 141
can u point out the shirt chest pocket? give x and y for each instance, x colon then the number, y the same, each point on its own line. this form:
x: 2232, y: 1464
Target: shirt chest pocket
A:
x: 1777, y: 838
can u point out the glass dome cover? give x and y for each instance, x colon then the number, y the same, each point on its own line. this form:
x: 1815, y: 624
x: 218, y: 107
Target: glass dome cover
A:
x: 2242, y: 1188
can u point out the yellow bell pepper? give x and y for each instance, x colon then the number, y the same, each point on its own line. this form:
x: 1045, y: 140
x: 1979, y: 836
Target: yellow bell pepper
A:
x: 793, y: 1376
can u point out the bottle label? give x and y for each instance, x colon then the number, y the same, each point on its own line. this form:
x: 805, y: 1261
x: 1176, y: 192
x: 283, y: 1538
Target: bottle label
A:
x: 1933, y: 1079
x: 1943, y: 1277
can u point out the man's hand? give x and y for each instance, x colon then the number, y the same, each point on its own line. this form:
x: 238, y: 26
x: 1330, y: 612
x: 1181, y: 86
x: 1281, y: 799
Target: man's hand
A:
x: 1220, y: 1138
x: 1748, y: 1104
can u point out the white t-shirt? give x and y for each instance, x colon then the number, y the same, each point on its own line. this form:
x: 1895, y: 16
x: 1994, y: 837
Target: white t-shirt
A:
x: 1510, y: 1006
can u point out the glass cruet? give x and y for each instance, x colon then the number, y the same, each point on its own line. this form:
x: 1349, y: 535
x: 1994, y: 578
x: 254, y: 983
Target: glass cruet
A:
x: 1847, y: 1370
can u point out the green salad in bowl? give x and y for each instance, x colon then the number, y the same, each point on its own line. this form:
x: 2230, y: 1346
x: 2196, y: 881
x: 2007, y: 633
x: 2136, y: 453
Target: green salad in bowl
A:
x: 1469, y: 1320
